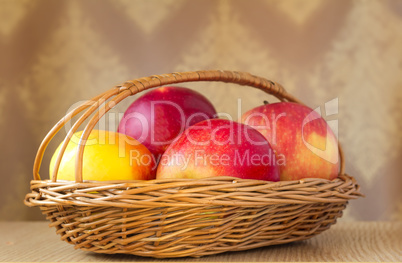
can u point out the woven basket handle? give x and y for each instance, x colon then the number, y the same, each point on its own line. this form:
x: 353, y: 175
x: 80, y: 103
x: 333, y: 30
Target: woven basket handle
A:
x: 119, y: 93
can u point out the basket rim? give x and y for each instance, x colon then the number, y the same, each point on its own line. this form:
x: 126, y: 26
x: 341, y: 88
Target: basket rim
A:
x: 212, y: 191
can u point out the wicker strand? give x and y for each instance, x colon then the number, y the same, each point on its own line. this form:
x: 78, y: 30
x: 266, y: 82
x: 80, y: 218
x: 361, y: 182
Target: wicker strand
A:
x: 56, y: 129
x: 74, y: 128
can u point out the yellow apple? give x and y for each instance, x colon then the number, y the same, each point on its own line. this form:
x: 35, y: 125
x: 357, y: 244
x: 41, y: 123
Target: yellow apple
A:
x: 107, y: 156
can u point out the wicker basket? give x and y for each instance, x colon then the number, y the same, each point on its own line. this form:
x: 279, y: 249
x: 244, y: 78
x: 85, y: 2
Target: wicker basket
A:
x: 183, y: 217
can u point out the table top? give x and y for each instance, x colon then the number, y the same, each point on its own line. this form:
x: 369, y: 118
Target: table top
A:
x: 344, y: 241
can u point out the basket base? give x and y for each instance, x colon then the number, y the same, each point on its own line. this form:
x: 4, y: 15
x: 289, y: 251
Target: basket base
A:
x: 179, y: 232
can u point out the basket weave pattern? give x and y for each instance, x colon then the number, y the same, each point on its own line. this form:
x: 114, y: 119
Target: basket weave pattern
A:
x: 183, y: 217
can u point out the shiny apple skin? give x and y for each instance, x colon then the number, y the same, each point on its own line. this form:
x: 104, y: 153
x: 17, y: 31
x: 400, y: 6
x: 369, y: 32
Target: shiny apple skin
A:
x: 219, y: 147
x: 282, y: 125
x: 167, y: 112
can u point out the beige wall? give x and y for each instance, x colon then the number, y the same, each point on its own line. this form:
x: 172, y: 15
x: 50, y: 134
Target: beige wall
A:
x: 55, y: 53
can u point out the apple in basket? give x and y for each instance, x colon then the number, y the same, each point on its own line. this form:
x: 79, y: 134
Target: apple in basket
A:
x: 156, y: 118
x: 107, y: 156
x: 301, y: 135
x: 218, y: 147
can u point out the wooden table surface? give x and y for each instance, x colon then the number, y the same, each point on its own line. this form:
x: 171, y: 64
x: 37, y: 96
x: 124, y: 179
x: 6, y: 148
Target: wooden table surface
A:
x: 345, y: 241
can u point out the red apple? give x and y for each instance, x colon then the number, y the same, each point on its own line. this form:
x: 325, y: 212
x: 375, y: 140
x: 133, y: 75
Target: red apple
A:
x: 156, y: 118
x: 301, y: 138
x: 219, y: 147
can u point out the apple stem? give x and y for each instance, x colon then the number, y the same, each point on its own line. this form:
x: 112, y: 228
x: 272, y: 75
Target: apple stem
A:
x: 266, y: 102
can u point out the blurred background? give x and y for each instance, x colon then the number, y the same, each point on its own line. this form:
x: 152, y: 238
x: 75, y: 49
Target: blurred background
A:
x: 56, y: 53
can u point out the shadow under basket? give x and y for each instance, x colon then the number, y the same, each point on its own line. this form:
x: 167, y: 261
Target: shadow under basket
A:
x: 183, y: 217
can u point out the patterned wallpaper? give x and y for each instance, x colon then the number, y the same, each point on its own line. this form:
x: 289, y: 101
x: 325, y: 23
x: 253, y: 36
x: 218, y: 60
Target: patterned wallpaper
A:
x: 55, y: 53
